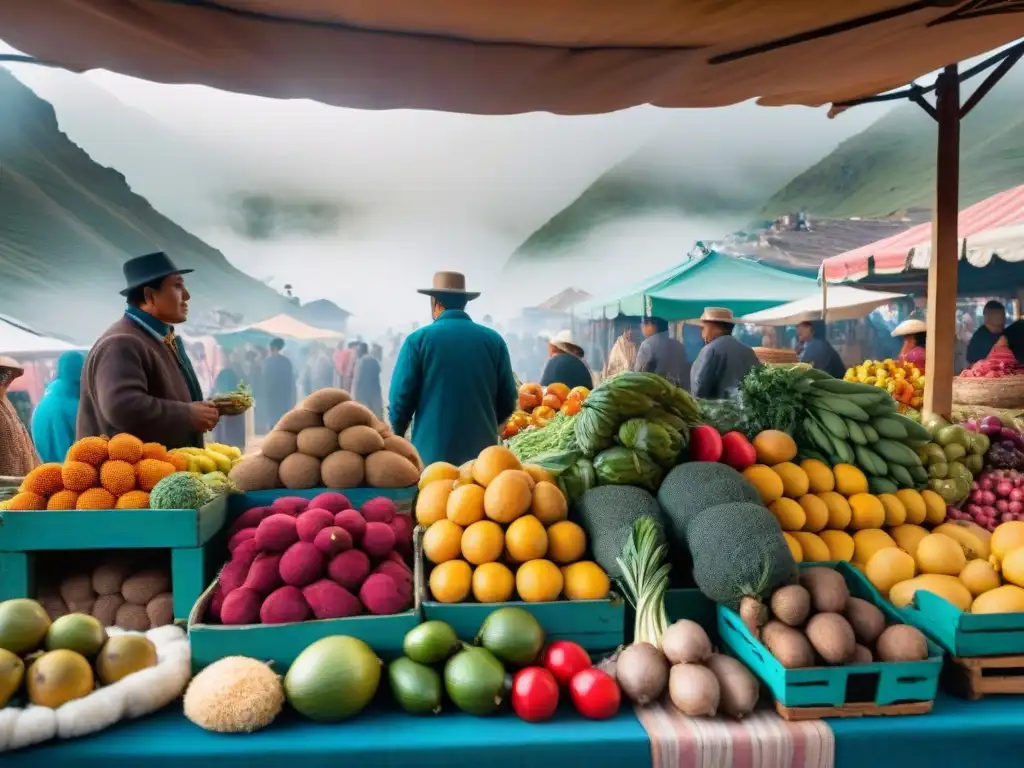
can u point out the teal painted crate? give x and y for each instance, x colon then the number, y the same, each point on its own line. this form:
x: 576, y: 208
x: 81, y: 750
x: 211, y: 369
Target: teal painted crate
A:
x: 111, y: 528
x: 879, y: 683
x: 965, y: 635
x: 281, y: 643
x: 597, y: 625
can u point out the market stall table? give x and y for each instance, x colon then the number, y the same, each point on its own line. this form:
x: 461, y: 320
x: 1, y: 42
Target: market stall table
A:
x: 376, y: 739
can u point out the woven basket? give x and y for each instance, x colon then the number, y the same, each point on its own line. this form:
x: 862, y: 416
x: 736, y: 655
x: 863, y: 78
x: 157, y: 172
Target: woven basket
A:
x: 769, y: 355
x: 1005, y: 392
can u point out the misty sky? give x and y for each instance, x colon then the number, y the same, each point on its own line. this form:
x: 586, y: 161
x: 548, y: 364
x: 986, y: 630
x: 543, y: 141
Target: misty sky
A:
x: 407, y: 193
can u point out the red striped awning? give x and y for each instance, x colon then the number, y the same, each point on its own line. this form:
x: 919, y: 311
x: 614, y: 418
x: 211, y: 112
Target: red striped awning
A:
x: 1001, y: 214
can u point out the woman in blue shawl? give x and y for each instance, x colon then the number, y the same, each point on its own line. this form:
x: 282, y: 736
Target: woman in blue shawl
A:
x: 53, y: 422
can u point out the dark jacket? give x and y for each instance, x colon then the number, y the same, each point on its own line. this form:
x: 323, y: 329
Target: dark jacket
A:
x: 665, y: 356
x: 453, y: 381
x: 720, y: 367
x: 366, y: 384
x: 823, y: 356
x: 278, y: 387
x: 566, y: 369
x: 132, y: 383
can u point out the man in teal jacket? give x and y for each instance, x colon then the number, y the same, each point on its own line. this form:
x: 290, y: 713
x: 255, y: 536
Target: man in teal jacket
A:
x: 452, y: 380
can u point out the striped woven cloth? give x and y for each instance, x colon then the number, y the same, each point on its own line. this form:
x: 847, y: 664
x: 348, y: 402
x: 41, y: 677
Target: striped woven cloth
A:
x: 762, y: 740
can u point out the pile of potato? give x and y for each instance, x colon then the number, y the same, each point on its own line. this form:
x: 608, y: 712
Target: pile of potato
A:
x: 817, y: 622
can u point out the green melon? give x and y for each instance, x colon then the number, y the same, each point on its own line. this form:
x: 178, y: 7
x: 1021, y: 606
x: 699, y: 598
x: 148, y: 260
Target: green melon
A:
x: 333, y: 679
x: 76, y: 632
x: 23, y: 625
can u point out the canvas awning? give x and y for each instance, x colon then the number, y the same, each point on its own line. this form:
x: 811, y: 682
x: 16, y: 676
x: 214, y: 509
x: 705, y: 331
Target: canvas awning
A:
x: 991, y: 228
x: 843, y: 303
x: 18, y: 340
x: 705, y: 278
x: 496, y: 57
x: 286, y: 327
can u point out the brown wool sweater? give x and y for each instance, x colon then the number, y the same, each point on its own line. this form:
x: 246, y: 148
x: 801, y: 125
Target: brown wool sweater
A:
x: 132, y: 383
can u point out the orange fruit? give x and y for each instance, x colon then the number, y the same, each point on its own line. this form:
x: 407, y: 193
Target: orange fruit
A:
x: 125, y: 447
x: 62, y: 500
x: 508, y: 496
x: 432, y: 501
x: 149, y: 472
x: 133, y: 500
x: 466, y: 505
x: 450, y: 581
x: 26, y: 501
x: 91, y: 450
x: 539, y: 474
x: 549, y: 504
x: 526, y: 539
x: 491, y: 462
x: 45, y: 480
x: 79, y: 476
x: 96, y: 498
x: 585, y: 580
x: 566, y: 542
x: 154, y: 451
x: 179, y: 461
x: 118, y: 477
x: 539, y: 581
x: 439, y: 470
x: 561, y: 391
x: 493, y: 583
x: 442, y: 541
x: 483, y: 542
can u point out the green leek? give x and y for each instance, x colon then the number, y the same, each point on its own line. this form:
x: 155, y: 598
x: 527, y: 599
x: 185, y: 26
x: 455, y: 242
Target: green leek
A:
x: 644, y: 579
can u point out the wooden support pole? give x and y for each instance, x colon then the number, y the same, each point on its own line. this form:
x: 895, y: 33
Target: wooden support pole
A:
x: 942, y: 274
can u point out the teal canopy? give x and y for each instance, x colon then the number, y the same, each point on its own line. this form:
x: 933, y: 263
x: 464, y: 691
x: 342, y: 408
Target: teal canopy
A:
x: 705, y: 279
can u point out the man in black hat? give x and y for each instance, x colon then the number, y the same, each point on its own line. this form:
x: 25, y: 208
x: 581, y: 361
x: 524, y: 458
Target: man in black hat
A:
x: 137, y: 377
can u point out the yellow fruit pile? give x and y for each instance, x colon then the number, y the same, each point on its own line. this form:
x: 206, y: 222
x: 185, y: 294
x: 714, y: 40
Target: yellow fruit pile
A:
x: 494, y: 528
x: 904, y: 381
x: 975, y: 570
x: 215, y: 457
x: 826, y: 513
x: 97, y: 473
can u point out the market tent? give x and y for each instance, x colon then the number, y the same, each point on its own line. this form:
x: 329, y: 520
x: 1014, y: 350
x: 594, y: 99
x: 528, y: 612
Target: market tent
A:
x: 989, y: 231
x: 286, y: 327
x: 842, y: 302
x: 495, y: 57
x: 19, y: 340
x: 706, y: 278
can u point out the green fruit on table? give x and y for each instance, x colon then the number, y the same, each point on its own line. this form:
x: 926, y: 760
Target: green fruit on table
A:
x: 975, y: 463
x: 23, y: 625
x: 953, y: 434
x: 431, y: 642
x: 416, y: 687
x: 513, y: 635
x: 475, y: 681
x: 333, y: 679
x: 932, y: 453
x: 954, y: 451
x: 76, y: 632
x: 938, y: 471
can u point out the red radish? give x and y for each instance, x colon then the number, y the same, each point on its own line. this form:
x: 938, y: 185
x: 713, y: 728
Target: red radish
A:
x: 595, y: 694
x: 737, y: 451
x: 564, y: 659
x: 534, y: 694
x: 987, y: 482
x: 1003, y: 506
x: 1003, y: 488
x: 705, y: 443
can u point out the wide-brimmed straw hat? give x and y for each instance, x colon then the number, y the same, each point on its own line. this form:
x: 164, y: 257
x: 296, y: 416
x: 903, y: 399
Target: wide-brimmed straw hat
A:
x: 909, y: 328
x: 10, y: 369
x: 715, y: 315
x: 563, y: 341
x: 449, y: 284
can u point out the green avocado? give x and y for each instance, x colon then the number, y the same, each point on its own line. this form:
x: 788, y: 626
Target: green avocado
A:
x: 431, y: 642
x: 416, y: 687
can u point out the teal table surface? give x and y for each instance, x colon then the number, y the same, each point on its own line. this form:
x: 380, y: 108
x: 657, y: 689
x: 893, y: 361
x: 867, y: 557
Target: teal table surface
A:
x: 378, y: 739
x: 956, y: 733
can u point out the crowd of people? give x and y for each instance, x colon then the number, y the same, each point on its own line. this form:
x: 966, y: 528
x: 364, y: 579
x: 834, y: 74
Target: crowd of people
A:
x: 450, y: 383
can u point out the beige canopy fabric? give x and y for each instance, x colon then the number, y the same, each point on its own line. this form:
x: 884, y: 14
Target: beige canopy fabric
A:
x: 499, y: 57
x: 289, y: 328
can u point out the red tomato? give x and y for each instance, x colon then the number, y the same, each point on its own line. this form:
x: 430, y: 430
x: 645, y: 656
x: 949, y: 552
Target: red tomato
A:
x: 564, y: 659
x: 595, y: 694
x: 534, y: 694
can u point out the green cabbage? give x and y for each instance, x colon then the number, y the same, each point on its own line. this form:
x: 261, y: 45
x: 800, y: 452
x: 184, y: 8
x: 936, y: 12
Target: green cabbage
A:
x: 180, y: 490
x: 625, y: 466
x: 577, y: 479
x: 662, y: 443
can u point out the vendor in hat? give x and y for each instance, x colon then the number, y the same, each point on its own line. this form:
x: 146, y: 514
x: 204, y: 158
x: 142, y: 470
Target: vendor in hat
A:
x: 915, y: 336
x: 661, y: 354
x: 138, y: 378
x: 453, y: 379
x: 565, y: 363
x: 724, y: 361
x: 17, y: 454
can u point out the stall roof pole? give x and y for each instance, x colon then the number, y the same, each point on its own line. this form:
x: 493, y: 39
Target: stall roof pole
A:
x: 942, y: 275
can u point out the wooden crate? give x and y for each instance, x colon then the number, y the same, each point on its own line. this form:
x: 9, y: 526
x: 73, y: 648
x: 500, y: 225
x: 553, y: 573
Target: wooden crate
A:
x: 976, y: 678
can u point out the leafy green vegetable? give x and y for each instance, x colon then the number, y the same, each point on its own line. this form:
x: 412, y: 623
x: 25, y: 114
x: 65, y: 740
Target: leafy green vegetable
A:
x: 771, y: 398
x: 577, y: 479
x: 723, y: 415
x: 624, y: 466
x: 558, y: 435
x: 654, y: 438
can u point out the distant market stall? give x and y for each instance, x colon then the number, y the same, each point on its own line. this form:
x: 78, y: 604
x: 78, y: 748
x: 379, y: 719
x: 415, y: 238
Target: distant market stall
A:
x: 20, y: 342
x: 835, y: 303
x: 279, y: 326
x: 705, y: 278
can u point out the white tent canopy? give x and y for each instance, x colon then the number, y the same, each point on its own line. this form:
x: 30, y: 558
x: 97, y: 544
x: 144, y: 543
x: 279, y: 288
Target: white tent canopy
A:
x: 287, y: 327
x: 16, y: 339
x: 842, y: 303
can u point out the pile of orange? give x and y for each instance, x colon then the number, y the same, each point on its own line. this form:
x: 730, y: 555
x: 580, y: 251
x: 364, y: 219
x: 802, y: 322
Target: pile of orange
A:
x: 495, y: 528
x: 98, y: 473
x: 538, y: 405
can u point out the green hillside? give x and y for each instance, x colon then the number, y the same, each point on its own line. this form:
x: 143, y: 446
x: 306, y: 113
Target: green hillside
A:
x: 67, y: 224
x: 891, y: 165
